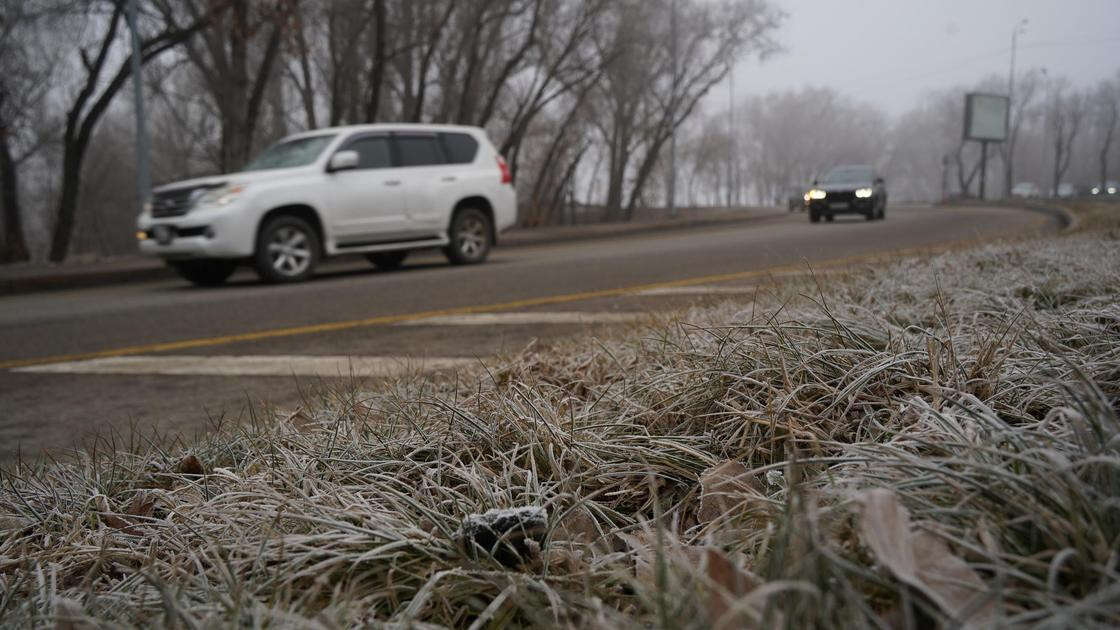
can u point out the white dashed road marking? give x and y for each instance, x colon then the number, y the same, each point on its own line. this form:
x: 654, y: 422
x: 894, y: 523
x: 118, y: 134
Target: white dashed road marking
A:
x: 261, y: 365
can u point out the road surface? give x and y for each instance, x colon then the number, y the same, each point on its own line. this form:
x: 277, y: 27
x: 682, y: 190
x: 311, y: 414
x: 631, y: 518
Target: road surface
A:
x: 167, y: 358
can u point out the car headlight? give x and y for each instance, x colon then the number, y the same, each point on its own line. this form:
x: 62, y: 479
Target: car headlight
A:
x: 807, y: 197
x: 223, y: 195
x: 1095, y: 191
x: 817, y: 194
x: 1112, y: 190
x: 864, y: 193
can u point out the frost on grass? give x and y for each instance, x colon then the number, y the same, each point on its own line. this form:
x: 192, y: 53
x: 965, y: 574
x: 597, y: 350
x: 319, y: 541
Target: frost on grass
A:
x: 979, y: 389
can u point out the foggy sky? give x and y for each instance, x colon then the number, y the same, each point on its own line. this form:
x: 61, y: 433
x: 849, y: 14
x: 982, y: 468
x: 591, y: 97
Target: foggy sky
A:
x: 890, y: 52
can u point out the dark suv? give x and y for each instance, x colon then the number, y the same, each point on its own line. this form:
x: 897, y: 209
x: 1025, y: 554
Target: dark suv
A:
x: 848, y: 190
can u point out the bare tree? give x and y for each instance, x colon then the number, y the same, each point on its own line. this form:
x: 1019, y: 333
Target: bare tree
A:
x: 645, y: 96
x: 1028, y: 88
x: 1065, y: 110
x: 235, y: 56
x: 1106, y: 119
x: 105, y: 69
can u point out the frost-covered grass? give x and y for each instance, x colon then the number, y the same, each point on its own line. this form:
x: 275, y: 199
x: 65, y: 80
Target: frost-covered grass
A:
x: 981, y: 388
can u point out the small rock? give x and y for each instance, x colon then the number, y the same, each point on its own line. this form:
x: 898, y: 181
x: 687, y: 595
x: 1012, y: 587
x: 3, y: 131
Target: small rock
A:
x: 506, y: 534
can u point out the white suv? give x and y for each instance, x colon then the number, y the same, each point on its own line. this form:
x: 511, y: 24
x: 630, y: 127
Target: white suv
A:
x: 378, y: 190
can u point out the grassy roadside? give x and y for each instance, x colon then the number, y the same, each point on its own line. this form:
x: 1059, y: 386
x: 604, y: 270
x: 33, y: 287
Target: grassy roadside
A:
x: 934, y: 441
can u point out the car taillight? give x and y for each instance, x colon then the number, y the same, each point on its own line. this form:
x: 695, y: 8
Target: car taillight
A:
x: 507, y: 176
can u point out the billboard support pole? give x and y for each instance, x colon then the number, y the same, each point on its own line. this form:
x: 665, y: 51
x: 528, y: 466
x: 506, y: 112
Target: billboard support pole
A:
x: 983, y: 167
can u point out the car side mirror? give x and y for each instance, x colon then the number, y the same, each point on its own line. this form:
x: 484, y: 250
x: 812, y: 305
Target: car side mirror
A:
x: 814, y: 182
x: 879, y: 181
x: 343, y: 160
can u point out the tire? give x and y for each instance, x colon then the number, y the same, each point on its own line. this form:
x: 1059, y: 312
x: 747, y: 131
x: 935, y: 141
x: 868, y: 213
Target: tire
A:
x: 207, y: 272
x: 387, y: 260
x: 471, y: 237
x: 883, y: 211
x: 287, y: 250
x: 814, y: 216
x: 829, y: 217
x: 871, y: 214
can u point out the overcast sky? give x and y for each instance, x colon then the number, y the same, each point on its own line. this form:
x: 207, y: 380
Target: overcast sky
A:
x: 890, y: 52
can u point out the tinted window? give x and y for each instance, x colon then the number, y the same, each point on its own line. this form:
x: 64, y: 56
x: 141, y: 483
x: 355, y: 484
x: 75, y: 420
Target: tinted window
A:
x: 459, y: 147
x: 418, y: 150
x: 290, y: 153
x: 373, y: 152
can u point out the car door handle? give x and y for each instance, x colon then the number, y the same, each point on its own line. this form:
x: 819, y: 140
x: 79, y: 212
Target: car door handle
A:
x: 393, y: 182
x: 449, y: 178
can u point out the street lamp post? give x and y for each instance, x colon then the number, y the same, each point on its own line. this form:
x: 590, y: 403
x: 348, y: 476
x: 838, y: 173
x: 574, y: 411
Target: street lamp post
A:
x: 1020, y: 27
x: 143, y: 150
x: 672, y: 191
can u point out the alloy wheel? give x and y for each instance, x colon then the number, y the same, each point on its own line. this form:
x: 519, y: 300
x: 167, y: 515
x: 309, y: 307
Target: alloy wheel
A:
x: 289, y: 251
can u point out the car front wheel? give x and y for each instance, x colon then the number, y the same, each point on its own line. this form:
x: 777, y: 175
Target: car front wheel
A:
x: 470, y: 236
x: 287, y: 250
x: 207, y: 272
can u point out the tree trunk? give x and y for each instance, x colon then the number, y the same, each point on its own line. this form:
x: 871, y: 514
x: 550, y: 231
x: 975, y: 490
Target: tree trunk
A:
x: 72, y: 158
x: 15, y: 247
x: 380, y: 60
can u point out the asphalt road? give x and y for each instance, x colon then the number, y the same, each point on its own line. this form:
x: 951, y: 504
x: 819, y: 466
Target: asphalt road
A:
x: 182, y: 375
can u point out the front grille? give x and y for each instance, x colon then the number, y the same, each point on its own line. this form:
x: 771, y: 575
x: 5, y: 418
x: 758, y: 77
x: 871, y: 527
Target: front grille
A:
x: 178, y: 201
x: 841, y: 196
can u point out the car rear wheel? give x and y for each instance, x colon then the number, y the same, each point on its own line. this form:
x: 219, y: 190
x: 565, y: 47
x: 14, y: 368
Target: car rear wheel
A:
x: 287, y: 250
x: 470, y: 235
x: 208, y: 272
x: 387, y: 260
x: 829, y: 217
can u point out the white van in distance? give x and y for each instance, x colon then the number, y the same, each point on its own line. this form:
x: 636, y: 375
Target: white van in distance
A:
x: 379, y: 190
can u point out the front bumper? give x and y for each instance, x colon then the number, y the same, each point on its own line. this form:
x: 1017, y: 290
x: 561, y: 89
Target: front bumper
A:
x: 202, y: 233
x: 847, y: 204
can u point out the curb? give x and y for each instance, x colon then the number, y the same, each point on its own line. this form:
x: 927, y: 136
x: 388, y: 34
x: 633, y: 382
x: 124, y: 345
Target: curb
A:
x: 147, y: 270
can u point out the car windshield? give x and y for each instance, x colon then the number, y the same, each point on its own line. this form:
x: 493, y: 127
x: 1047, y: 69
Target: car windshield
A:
x: 290, y: 153
x: 848, y: 174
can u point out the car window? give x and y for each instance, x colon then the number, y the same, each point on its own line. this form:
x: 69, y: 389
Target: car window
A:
x: 290, y: 153
x: 373, y: 152
x: 460, y: 148
x: 418, y: 150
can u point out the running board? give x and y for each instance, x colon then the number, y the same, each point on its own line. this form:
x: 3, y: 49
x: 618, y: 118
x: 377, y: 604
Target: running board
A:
x: 391, y: 247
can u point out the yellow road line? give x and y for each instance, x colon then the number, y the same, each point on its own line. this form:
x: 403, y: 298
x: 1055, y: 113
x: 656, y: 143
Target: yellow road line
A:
x: 480, y: 308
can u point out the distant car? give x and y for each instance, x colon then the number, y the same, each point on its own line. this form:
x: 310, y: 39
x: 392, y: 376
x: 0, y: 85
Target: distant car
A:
x: 854, y: 189
x: 1026, y: 190
x: 1111, y: 188
x: 377, y: 190
x: 795, y: 198
x: 1065, y: 191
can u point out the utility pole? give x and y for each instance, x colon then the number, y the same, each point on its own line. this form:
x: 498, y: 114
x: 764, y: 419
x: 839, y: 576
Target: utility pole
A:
x: 672, y: 192
x: 731, y: 183
x: 143, y: 148
x: 1020, y: 27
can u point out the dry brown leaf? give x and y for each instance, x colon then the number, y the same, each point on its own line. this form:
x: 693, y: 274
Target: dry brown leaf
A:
x: 69, y: 615
x: 143, y: 504
x: 190, y: 465
x: 724, y: 487
x: 922, y: 560
x: 733, y: 584
x: 576, y: 526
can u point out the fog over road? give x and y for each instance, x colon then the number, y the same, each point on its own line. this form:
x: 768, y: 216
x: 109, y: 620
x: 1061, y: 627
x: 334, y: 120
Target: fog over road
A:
x: 51, y: 396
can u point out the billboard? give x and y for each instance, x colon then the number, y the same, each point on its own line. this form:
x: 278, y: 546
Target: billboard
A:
x: 986, y: 117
